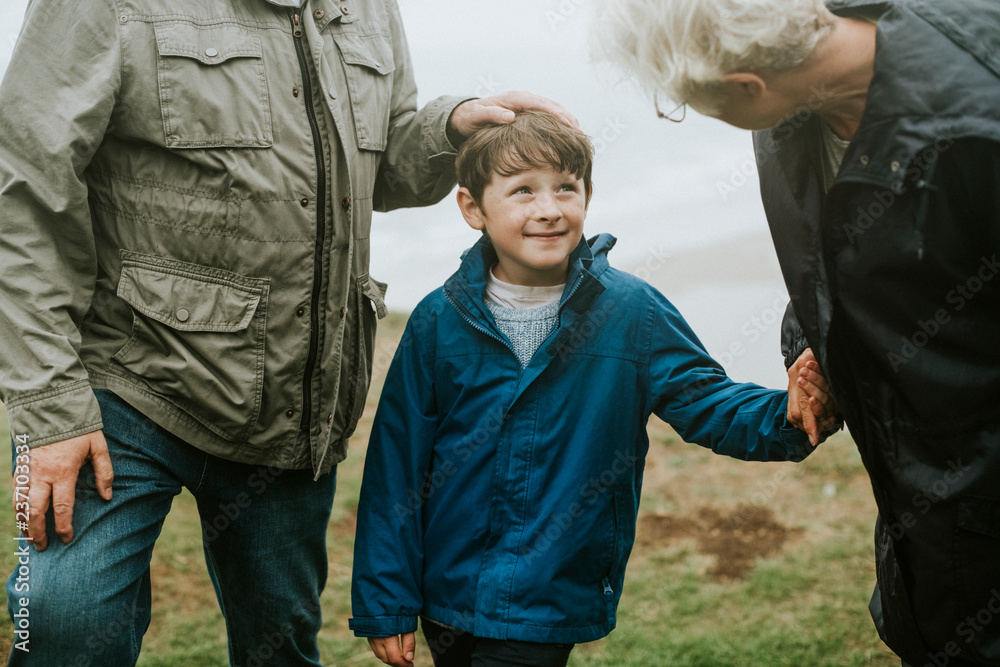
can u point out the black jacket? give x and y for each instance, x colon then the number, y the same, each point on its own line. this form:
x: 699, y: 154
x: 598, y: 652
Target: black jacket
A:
x: 895, y: 284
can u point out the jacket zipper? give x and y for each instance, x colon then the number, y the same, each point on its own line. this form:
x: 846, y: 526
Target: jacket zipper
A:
x: 478, y: 327
x: 314, y: 310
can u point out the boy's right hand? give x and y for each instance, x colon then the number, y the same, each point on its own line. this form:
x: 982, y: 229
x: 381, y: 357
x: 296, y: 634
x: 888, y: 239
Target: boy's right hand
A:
x: 396, y: 650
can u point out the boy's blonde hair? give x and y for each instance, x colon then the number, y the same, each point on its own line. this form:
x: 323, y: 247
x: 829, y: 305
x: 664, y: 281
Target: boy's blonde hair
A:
x: 535, y: 139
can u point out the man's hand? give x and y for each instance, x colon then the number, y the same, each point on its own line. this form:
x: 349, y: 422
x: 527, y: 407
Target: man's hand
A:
x: 387, y: 649
x: 54, y: 469
x: 499, y: 109
x: 811, y: 405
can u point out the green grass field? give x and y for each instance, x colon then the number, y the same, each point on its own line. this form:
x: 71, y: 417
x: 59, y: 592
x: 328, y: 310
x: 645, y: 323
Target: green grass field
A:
x: 736, y: 564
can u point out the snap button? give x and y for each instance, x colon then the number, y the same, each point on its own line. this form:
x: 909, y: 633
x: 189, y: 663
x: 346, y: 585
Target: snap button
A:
x: 183, y: 315
x: 289, y: 413
x: 123, y: 19
x: 864, y: 160
x: 319, y: 13
x: 300, y: 312
x: 346, y: 202
x: 211, y: 53
x: 295, y: 92
x: 304, y: 202
x: 894, y: 166
x: 345, y: 10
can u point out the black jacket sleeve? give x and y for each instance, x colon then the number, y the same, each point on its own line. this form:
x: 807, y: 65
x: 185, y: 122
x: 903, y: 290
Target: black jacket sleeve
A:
x: 793, y: 339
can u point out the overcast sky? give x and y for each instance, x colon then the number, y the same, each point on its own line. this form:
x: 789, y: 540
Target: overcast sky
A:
x: 663, y: 189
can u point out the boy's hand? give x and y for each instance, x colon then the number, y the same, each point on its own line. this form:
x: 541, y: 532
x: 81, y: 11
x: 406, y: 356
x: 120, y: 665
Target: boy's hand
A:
x: 811, y: 405
x: 387, y: 649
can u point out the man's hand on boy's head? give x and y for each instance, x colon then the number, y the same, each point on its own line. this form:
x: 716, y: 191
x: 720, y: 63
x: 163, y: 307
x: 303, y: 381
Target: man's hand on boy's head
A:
x: 476, y: 114
x: 811, y: 405
x: 397, y: 650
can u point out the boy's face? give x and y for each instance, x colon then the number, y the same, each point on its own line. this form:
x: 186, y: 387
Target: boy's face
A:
x: 534, y: 220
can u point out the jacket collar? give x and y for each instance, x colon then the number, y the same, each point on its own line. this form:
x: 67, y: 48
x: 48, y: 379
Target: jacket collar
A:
x: 466, y: 288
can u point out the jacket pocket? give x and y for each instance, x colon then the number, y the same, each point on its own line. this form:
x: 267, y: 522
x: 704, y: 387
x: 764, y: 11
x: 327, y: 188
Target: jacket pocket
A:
x: 212, y: 85
x: 368, y: 65
x: 197, y: 340
x: 613, y: 579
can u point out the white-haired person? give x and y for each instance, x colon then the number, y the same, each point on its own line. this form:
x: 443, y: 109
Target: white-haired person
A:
x: 877, y: 137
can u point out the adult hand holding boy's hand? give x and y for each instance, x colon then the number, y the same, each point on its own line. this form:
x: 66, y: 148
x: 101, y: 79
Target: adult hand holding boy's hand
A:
x: 811, y: 405
x: 476, y: 114
x: 396, y: 650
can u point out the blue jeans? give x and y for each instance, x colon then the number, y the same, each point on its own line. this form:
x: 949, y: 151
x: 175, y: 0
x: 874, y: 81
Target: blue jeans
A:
x: 263, y: 532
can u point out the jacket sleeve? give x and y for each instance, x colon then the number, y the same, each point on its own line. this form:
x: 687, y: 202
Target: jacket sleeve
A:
x: 692, y: 393
x: 793, y: 338
x: 388, y: 548
x: 418, y: 166
x: 56, y: 99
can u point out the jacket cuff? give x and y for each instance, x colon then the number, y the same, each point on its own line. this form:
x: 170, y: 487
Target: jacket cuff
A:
x: 55, y: 415
x: 435, y: 137
x: 793, y: 350
x: 797, y: 446
x: 382, y: 626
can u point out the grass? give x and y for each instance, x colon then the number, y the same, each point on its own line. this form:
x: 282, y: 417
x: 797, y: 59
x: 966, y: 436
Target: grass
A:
x: 736, y: 564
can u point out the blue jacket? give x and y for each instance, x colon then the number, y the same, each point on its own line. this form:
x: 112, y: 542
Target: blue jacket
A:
x: 503, y: 501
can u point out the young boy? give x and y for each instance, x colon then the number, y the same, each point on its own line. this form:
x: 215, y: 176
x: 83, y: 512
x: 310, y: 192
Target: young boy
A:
x: 503, y: 473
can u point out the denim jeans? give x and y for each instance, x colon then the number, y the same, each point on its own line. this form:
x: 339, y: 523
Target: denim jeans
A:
x: 264, y: 537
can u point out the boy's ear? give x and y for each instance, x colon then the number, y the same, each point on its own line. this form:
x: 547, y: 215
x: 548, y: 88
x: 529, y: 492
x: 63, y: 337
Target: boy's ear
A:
x: 750, y: 85
x: 590, y: 195
x: 471, y: 211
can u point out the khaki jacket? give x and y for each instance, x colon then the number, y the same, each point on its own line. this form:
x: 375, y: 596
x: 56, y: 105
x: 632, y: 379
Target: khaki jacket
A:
x: 186, y: 191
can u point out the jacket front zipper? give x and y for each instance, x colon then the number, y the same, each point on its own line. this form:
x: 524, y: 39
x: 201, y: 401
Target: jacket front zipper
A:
x: 314, y: 310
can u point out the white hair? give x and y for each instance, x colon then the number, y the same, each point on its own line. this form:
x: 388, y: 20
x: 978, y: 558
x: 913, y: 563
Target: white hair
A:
x: 684, y: 48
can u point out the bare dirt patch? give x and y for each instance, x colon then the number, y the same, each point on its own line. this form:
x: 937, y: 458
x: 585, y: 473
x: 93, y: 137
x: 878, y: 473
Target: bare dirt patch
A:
x: 736, y: 538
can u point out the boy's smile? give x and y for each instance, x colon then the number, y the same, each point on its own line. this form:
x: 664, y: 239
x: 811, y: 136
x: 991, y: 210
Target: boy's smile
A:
x: 535, y: 221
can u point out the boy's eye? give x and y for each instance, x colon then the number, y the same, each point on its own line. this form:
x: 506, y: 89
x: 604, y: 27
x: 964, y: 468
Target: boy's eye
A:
x: 523, y: 190
x: 568, y: 187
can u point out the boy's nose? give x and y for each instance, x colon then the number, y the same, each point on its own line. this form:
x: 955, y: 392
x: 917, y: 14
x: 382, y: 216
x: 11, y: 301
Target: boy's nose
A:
x: 547, y: 209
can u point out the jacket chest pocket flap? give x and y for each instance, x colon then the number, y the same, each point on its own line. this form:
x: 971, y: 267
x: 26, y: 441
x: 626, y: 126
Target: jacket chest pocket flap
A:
x: 368, y: 65
x: 197, y: 340
x: 212, y: 85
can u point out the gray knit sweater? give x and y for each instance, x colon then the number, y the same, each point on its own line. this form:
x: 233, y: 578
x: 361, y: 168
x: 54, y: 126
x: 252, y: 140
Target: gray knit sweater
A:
x: 526, y: 329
